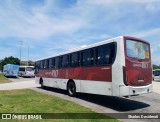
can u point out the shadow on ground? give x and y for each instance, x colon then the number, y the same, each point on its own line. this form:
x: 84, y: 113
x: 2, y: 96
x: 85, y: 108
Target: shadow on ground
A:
x: 14, y: 77
x: 116, y: 103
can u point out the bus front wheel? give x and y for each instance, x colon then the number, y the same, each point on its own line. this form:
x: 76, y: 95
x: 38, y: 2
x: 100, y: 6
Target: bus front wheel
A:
x: 41, y: 82
x: 71, y: 89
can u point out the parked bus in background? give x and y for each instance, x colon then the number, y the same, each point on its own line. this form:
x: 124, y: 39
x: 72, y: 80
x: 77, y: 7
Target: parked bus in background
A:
x: 26, y: 71
x: 156, y: 74
x: 119, y: 67
x: 10, y: 70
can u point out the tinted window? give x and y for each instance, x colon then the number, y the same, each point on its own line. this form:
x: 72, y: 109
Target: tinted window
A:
x: 105, y: 54
x: 87, y: 57
x: 57, y: 62
x: 46, y: 63
x: 22, y: 69
x: 50, y: 63
x: 60, y: 61
x: 75, y: 59
x: 53, y: 62
x: 41, y: 65
x: 43, y: 62
x: 157, y: 73
x: 65, y: 61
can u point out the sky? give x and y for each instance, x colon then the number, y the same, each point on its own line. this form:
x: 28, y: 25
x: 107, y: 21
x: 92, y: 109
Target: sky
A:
x: 48, y: 27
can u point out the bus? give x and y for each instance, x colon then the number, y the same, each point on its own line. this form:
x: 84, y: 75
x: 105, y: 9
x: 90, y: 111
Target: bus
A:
x: 119, y: 66
x: 26, y: 71
x: 156, y: 74
x: 10, y: 70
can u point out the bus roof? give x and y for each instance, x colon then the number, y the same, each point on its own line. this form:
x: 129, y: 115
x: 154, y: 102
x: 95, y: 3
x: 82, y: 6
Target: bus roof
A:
x: 26, y: 66
x: 11, y: 65
x: 156, y: 69
x: 82, y: 48
x: 92, y: 45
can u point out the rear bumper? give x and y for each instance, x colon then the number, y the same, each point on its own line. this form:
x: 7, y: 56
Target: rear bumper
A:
x: 130, y: 90
x: 28, y: 75
x: 37, y: 80
x: 11, y: 75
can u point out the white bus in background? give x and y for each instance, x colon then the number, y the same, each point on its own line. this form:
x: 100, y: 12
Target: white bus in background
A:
x: 156, y: 74
x: 26, y: 71
x: 10, y: 70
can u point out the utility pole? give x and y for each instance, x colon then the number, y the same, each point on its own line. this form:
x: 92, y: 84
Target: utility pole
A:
x: 20, y: 51
x: 28, y: 55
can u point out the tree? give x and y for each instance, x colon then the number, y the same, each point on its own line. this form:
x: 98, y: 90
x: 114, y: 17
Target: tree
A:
x: 156, y: 66
x: 9, y: 60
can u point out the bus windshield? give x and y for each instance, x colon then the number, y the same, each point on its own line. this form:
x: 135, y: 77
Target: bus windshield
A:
x: 157, y: 73
x: 29, y: 69
x: 136, y: 49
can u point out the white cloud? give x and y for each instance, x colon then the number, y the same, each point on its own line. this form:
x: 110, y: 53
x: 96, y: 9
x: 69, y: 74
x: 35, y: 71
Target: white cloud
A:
x: 62, y: 28
x: 147, y: 33
x: 6, y: 52
x: 156, y: 61
x: 36, y: 25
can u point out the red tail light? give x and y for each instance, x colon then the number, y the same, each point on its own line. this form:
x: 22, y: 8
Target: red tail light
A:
x: 125, y: 76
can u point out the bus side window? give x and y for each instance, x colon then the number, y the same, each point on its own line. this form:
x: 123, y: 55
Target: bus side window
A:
x: 65, y: 61
x: 106, y: 54
x: 95, y: 56
x: 113, y: 53
x: 57, y: 62
x: 74, y: 59
x: 91, y: 56
x: 47, y: 64
x: 50, y: 63
x: 40, y: 64
x: 103, y: 54
x: 79, y: 59
x: 43, y: 64
x: 86, y: 57
x: 60, y: 61
x: 53, y: 62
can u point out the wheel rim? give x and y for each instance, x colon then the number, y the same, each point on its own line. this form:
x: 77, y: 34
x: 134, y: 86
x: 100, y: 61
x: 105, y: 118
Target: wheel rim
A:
x: 71, y: 89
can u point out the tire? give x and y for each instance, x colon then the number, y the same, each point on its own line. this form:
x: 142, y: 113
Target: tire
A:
x: 41, y: 82
x: 71, y: 89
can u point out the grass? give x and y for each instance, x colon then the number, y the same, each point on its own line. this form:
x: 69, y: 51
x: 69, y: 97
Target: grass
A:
x: 3, y: 79
x: 29, y: 101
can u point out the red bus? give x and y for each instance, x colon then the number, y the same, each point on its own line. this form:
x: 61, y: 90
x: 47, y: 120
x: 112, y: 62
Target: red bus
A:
x: 119, y: 67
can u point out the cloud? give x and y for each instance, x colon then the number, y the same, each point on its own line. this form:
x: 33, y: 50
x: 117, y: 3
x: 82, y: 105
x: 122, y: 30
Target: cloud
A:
x: 7, y: 52
x: 53, y: 26
x: 46, y: 18
x: 35, y: 24
x: 147, y: 33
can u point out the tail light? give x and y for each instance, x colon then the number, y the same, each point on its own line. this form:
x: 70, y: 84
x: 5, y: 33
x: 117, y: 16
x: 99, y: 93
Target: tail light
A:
x: 125, y: 76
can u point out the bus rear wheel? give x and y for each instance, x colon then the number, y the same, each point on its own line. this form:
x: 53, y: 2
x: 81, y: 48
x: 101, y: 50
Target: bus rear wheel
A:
x: 71, y: 89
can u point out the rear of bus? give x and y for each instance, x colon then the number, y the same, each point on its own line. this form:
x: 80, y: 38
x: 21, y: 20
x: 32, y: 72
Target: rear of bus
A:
x: 26, y: 71
x: 137, y: 72
x: 11, y: 70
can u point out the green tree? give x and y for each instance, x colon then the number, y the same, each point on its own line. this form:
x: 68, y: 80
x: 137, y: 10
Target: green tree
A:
x: 9, y: 60
x: 156, y: 66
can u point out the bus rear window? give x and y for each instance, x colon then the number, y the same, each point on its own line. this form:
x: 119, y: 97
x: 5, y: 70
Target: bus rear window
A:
x: 138, y: 50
